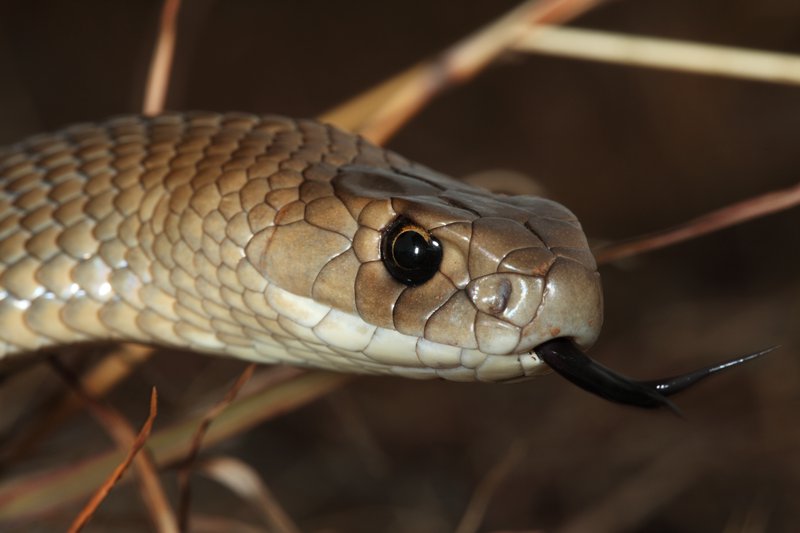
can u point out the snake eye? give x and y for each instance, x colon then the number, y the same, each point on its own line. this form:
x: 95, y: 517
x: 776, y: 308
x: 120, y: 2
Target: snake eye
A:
x: 409, y: 252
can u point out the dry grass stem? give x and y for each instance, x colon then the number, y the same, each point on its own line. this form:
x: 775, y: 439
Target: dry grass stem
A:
x: 754, y: 518
x: 482, y: 496
x: 122, y: 433
x: 517, y: 531
x: 379, y: 112
x: 97, y: 382
x: 115, y: 368
x: 161, y: 63
x: 23, y: 497
x: 185, y: 472
x: 731, y: 215
x: 203, y: 523
x: 354, y: 428
x: 243, y: 480
x: 271, y: 376
x: 654, y: 485
x: 662, y: 53
x: 141, y: 438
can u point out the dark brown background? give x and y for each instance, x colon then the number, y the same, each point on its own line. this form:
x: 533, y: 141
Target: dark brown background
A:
x: 629, y: 150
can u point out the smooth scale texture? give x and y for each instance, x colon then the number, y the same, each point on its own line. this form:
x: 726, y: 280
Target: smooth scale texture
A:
x: 259, y: 237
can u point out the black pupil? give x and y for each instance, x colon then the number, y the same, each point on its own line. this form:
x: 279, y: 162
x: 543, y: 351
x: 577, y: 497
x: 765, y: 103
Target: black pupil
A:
x: 411, y: 256
x: 411, y: 250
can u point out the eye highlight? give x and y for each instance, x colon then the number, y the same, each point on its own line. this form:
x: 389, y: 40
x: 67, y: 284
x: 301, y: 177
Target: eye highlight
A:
x: 410, y: 254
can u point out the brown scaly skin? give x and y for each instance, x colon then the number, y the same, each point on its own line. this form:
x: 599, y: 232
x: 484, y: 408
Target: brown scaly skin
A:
x: 177, y: 229
x: 261, y: 238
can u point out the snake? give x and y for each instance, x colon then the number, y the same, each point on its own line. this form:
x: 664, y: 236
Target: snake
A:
x: 287, y: 241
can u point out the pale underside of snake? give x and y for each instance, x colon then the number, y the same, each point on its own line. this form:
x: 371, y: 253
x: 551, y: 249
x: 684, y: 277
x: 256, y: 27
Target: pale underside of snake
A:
x: 288, y: 241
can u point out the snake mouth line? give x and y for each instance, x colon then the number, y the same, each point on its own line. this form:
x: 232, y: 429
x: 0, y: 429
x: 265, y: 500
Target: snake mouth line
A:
x: 569, y: 361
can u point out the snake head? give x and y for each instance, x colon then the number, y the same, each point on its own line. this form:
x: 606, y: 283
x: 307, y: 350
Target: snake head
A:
x: 491, y: 285
x: 495, y: 277
x: 398, y: 269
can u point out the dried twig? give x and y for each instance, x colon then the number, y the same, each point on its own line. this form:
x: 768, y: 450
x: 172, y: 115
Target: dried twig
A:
x: 204, y: 523
x: 381, y: 111
x: 753, y: 518
x: 245, y: 481
x: 91, y: 506
x: 651, y: 487
x: 711, y: 60
x: 110, y: 371
x: 161, y: 62
x: 737, y: 213
x: 185, y: 471
x: 96, y: 382
x: 34, y: 494
x: 479, y: 502
x: 121, y: 431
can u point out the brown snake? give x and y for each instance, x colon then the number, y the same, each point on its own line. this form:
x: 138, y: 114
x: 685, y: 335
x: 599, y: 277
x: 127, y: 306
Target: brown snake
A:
x: 288, y: 241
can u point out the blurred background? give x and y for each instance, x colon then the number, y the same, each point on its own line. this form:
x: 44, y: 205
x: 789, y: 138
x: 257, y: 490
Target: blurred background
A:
x: 629, y: 150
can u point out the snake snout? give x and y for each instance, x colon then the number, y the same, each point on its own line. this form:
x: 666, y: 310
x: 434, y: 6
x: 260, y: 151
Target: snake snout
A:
x: 517, y: 312
x: 570, y: 305
x: 491, y: 294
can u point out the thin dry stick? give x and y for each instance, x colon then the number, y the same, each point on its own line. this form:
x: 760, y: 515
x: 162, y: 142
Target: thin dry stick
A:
x: 653, y: 486
x: 662, y: 53
x: 737, y: 213
x: 96, y: 382
x: 381, y: 111
x: 91, y: 506
x: 185, y: 472
x: 242, y: 479
x: 479, y: 502
x: 161, y: 62
x: 122, y: 433
x: 28, y: 496
x: 205, y: 523
x: 752, y: 519
x: 109, y: 372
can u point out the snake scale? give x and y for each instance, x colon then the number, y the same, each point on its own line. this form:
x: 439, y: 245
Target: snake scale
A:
x: 289, y: 241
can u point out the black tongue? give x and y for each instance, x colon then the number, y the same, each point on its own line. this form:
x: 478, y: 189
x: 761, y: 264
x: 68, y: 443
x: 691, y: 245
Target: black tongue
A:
x: 570, y: 362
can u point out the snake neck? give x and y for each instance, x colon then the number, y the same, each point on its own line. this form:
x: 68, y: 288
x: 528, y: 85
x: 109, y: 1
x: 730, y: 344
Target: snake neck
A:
x: 260, y: 238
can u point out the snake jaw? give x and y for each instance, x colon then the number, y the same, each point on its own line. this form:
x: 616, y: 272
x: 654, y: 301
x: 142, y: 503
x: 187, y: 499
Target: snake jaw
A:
x: 565, y: 358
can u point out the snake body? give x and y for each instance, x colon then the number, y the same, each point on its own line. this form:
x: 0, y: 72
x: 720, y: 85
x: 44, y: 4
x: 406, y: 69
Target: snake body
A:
x: 259, y: 237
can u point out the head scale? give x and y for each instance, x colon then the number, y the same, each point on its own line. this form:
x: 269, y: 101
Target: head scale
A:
x: 437, y: 278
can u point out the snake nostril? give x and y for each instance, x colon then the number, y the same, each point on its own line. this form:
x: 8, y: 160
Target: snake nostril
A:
x: 490, y: 294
